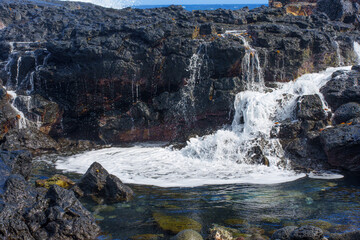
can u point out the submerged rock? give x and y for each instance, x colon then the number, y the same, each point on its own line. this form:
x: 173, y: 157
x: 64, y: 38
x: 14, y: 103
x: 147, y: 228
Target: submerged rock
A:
x: 176, y: 224
x: 98, y: 183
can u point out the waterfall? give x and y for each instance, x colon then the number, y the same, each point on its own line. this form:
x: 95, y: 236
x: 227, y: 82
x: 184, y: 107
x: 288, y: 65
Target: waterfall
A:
x: 23, y: 104
x: 22, y: 121
x: 252, y: 73
x: 338, y: 53
x: 357, y: 51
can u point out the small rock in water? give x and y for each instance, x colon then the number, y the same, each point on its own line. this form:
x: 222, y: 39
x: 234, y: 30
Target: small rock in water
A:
x: 188, y: 234
x: 99, y: 184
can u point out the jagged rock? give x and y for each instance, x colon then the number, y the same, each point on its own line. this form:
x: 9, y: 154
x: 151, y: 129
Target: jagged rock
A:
x: 342, y: 146
x: 283, y: 233
x: 188, y: 234
x: 342, y: 88
x: 307, y: 233
x: 29, y: 213
x: 98, y: 183
x: 347, y: 112
x: 217, y: 232
x: 310, y: 108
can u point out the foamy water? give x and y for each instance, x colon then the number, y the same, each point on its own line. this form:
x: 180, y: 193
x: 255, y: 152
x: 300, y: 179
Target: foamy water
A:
x: 221, y: 158
x: 117, y: 4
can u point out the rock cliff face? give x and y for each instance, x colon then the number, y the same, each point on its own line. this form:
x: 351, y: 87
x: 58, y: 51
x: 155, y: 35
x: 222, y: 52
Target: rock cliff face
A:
x: 142, y: 75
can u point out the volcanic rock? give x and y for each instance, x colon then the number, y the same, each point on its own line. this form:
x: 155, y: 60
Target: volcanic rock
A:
x: 101, y: 185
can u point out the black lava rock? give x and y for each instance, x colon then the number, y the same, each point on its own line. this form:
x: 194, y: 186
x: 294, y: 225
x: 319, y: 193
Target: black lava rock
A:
x: 98, y: 183
x: 342, y: 146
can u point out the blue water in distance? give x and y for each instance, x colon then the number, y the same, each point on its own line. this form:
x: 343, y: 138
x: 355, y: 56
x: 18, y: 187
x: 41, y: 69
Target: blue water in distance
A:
x: 206, y: 6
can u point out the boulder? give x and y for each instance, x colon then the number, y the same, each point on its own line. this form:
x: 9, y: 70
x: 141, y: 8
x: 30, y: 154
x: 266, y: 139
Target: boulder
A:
x: 347, y: 112
x: 342, y: 146
x: 99, y: 184
x: 344, y: 87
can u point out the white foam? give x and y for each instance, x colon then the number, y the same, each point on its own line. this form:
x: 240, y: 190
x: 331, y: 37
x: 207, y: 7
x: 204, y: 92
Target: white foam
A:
x: 325, y: 175
x: 221, y: 158
x: 117, y: 4
x: 170, y: 168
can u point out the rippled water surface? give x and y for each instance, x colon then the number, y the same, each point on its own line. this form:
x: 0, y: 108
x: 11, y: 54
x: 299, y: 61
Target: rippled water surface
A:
x: 333, y: 205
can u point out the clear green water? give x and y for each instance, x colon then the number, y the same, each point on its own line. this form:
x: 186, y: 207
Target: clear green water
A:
x: 333, y: 205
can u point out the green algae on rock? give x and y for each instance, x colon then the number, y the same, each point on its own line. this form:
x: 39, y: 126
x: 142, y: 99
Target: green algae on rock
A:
x: 57, y: 179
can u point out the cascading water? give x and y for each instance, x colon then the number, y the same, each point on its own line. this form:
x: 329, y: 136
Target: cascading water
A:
x: 22, y: 81
x: 357, y: 51
x: 338, y: 53
x: 252, y: 73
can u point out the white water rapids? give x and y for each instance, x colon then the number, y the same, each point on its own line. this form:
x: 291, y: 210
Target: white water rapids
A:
x: 218, y: 158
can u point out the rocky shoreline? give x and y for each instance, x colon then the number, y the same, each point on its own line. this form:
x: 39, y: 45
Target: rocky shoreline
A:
x: 76, y: 76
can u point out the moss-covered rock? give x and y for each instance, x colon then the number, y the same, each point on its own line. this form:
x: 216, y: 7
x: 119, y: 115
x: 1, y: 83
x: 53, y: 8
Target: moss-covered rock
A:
x: 176, y: 224
x: 57, y: 179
